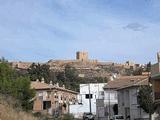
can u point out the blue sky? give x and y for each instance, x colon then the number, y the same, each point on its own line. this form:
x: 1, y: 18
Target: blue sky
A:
x: 110, y: 30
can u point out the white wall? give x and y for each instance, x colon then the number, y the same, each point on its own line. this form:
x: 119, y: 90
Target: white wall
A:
x: 110, y: 96
x: 127, y: 98
x: 95, y: 90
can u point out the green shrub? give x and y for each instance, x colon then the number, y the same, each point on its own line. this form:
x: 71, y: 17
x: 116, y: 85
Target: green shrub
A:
x: 67, y: 117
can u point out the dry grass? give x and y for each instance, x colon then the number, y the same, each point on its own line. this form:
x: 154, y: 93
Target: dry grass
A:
x: 8, y: 113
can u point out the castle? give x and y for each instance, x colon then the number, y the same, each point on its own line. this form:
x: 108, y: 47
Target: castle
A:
x: 83, y: 64
x: 82, y: 56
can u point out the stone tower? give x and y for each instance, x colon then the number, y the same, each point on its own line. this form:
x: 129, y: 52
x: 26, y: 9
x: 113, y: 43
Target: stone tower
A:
x: 82, y: 56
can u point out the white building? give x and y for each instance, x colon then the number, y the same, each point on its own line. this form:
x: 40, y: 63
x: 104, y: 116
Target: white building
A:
x: 127, y: 99
x: 110, y: 99
x: 127, y: 91
x: 96, y: 91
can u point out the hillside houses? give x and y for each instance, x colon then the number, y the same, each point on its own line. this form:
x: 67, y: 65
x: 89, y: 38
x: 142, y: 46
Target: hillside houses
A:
x: 52, y: 99
x: 123, y: 91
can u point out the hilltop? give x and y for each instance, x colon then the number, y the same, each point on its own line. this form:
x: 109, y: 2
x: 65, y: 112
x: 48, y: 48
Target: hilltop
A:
x: 85, y: 67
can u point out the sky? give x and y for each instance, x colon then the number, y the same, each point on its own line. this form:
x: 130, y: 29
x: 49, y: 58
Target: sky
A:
x: 109, y: 30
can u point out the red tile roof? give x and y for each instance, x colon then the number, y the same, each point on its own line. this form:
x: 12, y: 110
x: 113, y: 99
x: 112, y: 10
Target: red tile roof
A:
x: 44, y: 86
x: 127, y: 81
x: 39, y: 85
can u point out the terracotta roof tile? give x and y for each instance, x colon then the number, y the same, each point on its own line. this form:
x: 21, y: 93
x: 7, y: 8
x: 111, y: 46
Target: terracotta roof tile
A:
x: 39, y: 85
x: 126, y: 81
x: 44, y: 86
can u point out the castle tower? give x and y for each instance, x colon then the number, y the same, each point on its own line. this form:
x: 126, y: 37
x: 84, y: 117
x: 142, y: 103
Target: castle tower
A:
x: 82, y: 56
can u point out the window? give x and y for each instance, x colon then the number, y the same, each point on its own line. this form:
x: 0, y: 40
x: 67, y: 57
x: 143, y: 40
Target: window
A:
x: 61, y: 97
x: 40, y: 95
x: 46, y: 105
x: 89, y: 96
x: 101, y: 92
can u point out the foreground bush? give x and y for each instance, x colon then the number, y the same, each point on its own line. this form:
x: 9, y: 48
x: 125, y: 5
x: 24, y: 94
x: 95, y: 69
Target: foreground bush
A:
x: 8, y: 111
x: 16, y: 86
x: 67, y: 117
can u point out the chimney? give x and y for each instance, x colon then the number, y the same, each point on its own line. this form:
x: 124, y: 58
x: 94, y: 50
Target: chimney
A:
x: 42, y: 80
x: 37, y: 80
x: 57, y: 84
x: 51, y: 83
x: 158, y: 57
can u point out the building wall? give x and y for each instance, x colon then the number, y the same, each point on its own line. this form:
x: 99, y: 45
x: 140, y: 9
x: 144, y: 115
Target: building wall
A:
x: 38, y: 105
x: 97, y: 93
x: 127, y: 104
x: 83, y: 56
x: 155, y: 69
x: 100, y: 110
x: 156, y: 89
x: 110, y: 99
x: 111, y: 95
x: 57, y: 98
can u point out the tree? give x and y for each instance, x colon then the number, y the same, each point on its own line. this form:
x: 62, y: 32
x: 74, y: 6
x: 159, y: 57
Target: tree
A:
x: 6, y: 74
x: 60, y: 78
x: 17, y: 87
x: 67, y: 117
x: 23, y: 92
x: 70, y: 72
x: 148, y: 69
x: 138, y: 71
x: 2, y: 59
x: 145, y: 99
x: 100, y: 79
x: 38, y: 71
x: 71, y: 78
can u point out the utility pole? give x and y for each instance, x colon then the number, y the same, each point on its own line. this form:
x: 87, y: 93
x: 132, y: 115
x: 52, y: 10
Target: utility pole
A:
x: 98, y: 101
x: 90, y: 109
x: 149, y: 70
x: 109, y: 111
x: 109, y: 92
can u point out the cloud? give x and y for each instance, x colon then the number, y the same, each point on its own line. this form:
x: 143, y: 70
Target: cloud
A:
x: 135, y: 26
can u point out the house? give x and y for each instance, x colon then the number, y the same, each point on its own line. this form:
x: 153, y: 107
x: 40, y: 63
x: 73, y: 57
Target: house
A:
x: 118, y: 92
x: 110, y: 98
x: 91, y: 90
x: 155, y: 79
x: 127, y: 98
x: 52, y: 99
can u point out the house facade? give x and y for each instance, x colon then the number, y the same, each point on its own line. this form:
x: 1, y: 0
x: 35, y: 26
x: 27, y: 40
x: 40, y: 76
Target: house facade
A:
x: 111, y: 95
x: 110, y: 99
x: 52, y: 99
x: 155, y: 79
x: 127, y: 100
x: 84, y: 104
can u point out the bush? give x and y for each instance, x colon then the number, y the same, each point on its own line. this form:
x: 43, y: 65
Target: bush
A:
x: 8, y: 111
x: 14, y: 86
x: 67, y: 117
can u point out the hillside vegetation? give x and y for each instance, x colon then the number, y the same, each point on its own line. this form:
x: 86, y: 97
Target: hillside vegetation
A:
x: 8, y: 111
x: 15, y: 94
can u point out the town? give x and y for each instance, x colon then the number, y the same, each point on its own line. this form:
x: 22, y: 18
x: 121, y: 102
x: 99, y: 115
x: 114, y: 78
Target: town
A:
x: 79, y: 60
x: 127, y: 91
